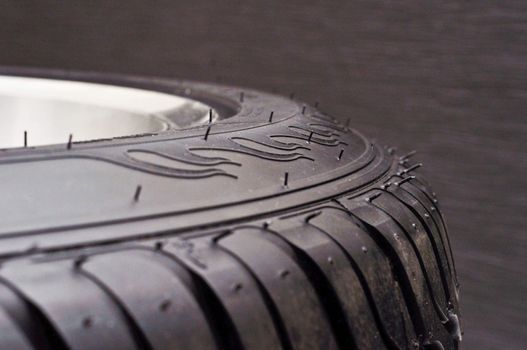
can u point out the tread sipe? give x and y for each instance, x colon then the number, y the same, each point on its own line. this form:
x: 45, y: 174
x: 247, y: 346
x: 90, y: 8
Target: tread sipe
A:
x: 274, y: 227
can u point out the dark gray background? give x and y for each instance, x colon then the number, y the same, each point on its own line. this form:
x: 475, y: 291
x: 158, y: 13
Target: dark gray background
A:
x: 446, y: 78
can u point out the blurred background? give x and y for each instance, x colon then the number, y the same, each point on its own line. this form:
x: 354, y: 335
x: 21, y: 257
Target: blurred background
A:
x: 448, y: 79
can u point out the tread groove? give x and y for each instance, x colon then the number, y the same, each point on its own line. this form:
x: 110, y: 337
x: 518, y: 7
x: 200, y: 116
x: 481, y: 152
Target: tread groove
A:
x: 275, y: 315
x: 445, y: 241
x: 443, y: 224
x: 439, y: 225
x: 387, y: 339
x: 37, y: 328
x: 326, y: 294
x: 398, y: 272
x: 137, y: 334
x: 220, y: 323
x: 434, y: 244
x: 430, y: 288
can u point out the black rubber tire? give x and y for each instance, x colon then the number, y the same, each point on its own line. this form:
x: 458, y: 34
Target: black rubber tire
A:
x: 278, y: 227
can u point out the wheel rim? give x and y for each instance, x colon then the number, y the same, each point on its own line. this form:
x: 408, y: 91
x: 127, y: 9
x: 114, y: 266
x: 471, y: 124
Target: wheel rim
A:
x: 36, y: 111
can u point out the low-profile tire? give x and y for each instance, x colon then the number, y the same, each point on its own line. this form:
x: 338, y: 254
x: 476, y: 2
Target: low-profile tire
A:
x: 273, y: 226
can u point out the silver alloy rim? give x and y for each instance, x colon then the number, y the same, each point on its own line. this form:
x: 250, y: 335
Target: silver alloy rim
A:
x: 36, y: 111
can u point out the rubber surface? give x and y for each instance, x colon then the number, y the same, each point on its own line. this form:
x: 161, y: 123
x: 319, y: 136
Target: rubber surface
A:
x: 274, y: 228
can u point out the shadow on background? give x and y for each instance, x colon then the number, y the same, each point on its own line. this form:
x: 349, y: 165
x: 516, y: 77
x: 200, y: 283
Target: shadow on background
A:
x: 448, y: 80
